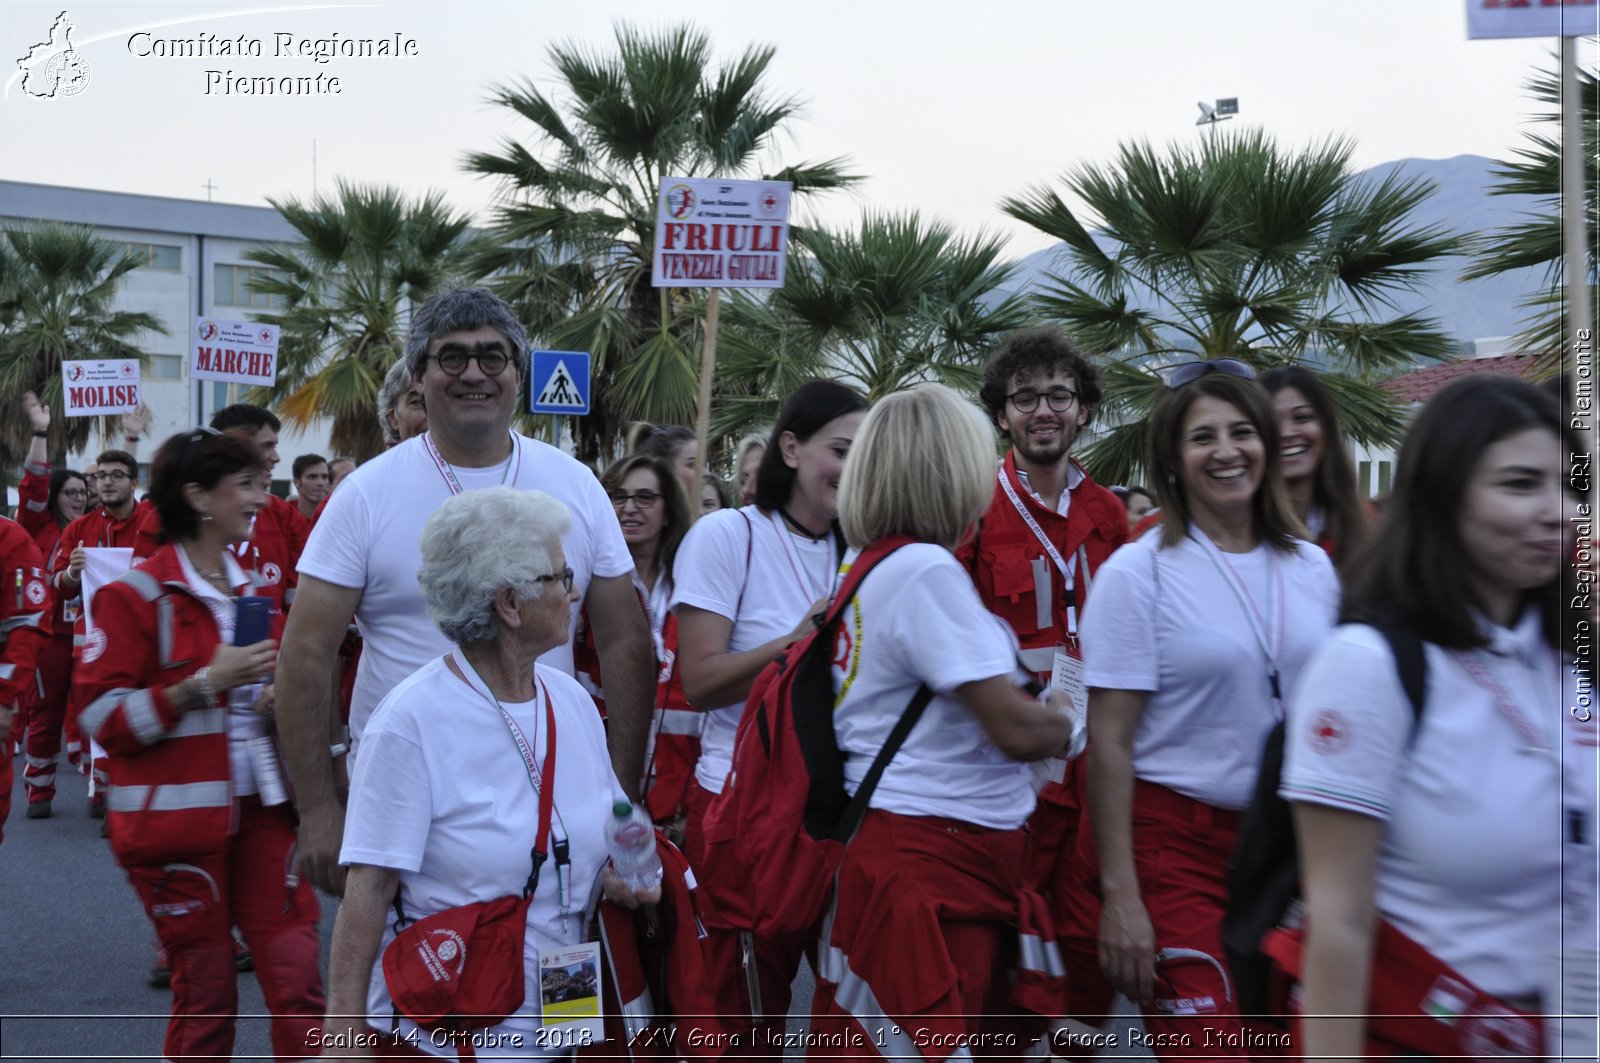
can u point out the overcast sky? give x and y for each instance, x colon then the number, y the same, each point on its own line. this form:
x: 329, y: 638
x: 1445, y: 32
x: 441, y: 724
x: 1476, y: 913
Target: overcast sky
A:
x: 946, y: 107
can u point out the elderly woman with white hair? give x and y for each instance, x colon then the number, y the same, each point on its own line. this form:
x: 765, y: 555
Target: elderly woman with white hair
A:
x: 459, y: 786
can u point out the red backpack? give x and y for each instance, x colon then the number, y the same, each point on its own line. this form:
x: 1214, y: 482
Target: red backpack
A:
x: 785, y: 800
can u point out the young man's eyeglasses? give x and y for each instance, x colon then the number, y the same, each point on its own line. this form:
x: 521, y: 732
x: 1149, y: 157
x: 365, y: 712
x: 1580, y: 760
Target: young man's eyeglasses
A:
x: 1189, y: 372
x: 642, y: 499
x: 565, y: 576
x: 1027, y: 400
x: 492, y: 361
x: 111, y: 476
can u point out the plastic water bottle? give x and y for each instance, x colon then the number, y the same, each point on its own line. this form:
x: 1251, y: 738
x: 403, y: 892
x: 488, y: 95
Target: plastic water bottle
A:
x: 632, y: 843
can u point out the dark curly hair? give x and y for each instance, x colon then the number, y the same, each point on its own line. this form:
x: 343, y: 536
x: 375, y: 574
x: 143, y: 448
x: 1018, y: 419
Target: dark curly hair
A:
x: 1029, y: 351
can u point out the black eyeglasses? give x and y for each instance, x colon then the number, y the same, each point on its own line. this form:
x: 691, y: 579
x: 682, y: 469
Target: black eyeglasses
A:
x: 74, y: 492
x: 642, y: 499
x: 492, y: 361
x: 1027, y: 400
x: 565, y: 576
x: 1189, y: 372
x: 111, y: 477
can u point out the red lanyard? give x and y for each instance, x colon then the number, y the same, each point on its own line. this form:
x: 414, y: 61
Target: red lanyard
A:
x: 544, y: 781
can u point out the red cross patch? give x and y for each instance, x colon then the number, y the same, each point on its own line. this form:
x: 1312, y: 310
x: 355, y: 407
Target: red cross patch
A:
x: 1330, y: 732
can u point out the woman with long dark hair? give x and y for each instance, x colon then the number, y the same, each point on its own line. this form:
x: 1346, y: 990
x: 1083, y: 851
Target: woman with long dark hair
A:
x: 1458, y: 840
x: 1317, y: 470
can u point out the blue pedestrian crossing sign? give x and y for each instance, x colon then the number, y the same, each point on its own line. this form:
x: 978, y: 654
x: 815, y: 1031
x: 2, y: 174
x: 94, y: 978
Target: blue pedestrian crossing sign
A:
x: 560, y: 382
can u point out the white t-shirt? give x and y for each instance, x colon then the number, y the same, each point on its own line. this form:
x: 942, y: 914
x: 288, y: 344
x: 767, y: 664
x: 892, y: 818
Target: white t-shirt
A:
x: 918, y: 619
x: 1470, y: 861
x: 765, y: 598
x: 243, y: 721
x: 1169, y: 623
x: 370, y: 535
x: 442, y: 795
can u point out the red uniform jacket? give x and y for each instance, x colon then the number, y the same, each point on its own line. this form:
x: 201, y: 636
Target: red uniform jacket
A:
x: 33, y: 514
x: 24, y: 611
x: 95, y: 528
x: 171, y: 792
x: 674, y: 735
x: 33, y: 508
x: 1011, y: 569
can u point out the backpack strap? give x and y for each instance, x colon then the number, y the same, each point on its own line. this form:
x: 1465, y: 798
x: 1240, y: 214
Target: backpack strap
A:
x: 864, y: 563
x: 880, y: 763
x: 1411, y: 663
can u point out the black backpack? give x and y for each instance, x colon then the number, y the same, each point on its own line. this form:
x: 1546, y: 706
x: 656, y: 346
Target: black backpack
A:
x: 1264, y: 872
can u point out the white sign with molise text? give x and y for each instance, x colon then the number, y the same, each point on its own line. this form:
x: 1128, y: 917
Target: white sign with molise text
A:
x: 92, y: 389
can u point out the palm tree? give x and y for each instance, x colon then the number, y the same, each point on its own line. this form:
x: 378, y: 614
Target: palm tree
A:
x: 576, y: 221
x: 1237, y: 247
x: 58, y: 284
x: 1536, y: 171
x: 898, y: 301
x: 366, y: 256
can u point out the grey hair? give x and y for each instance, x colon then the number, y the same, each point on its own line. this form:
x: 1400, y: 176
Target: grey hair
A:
x: 464, y: 310
x: 477, y: 544
x: 395, y: 384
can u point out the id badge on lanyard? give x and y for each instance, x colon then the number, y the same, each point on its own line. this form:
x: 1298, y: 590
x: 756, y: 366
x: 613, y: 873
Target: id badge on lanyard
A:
x: 1070, y: 677
x: 570, y: 983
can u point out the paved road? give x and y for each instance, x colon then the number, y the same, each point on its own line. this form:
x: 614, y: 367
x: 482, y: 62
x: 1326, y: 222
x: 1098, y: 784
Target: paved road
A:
x: 78, y: 946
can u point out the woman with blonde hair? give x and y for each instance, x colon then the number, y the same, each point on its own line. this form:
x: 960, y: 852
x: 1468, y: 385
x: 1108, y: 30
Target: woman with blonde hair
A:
x: 930, y: 880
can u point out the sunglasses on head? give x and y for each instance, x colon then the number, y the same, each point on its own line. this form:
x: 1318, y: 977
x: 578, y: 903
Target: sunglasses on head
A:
x: 1189, y: 372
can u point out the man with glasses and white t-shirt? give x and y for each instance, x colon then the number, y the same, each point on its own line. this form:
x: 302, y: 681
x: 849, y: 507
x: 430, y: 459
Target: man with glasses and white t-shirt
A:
x: 469, y: 355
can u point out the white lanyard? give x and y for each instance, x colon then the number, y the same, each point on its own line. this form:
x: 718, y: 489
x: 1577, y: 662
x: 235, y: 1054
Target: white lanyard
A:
x: 802, y: 575
x: 545, y: 795
x: 449, y: 473
x: 1068, y: 568
x: 656, y: 599
x: 1269, y: 636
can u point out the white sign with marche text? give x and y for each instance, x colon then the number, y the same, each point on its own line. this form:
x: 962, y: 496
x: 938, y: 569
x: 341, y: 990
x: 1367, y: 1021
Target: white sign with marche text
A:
x: 560, y: 382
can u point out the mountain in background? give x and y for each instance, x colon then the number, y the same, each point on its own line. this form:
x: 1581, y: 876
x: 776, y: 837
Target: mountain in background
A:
x: 1461, y: 202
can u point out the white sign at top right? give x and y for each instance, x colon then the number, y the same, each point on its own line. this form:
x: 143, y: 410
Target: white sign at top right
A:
x: 1532, y: 18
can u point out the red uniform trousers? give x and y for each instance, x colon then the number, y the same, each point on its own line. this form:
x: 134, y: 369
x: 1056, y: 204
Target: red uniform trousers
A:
x: 912, y: 960
x: 733, y: 1032
x: 48, y: 716
x: 1181, y: 849
x: 1055, y: 868
x: 193, y: 906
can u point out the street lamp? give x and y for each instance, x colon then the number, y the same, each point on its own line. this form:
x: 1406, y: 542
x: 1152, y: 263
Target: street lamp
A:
x: 1210, y: 114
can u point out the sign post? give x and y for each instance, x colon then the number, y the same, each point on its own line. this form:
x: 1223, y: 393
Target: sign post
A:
x: 718, y: 234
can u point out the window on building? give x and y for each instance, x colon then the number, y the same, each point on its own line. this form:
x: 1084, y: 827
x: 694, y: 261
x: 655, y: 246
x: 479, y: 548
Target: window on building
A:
x: 234, y: 287
x: 164, y: 367
x: 155, y: 256
x: 1364, y: 477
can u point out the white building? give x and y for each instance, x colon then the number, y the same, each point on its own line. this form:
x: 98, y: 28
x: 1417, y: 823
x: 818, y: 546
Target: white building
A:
x: 194, y: 265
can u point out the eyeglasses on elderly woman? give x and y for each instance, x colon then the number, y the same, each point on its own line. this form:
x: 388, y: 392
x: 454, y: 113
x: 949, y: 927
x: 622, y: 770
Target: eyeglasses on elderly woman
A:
x: 1189, y: 372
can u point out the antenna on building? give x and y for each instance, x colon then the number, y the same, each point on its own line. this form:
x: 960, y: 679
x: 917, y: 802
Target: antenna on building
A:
x: 209, y: 187
x: 313, y: 165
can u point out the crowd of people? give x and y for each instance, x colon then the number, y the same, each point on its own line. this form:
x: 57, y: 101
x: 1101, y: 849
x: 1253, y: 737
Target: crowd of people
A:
x: 362, y: 690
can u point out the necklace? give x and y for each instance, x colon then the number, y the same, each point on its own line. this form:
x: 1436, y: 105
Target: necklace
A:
x: 801, y: 528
